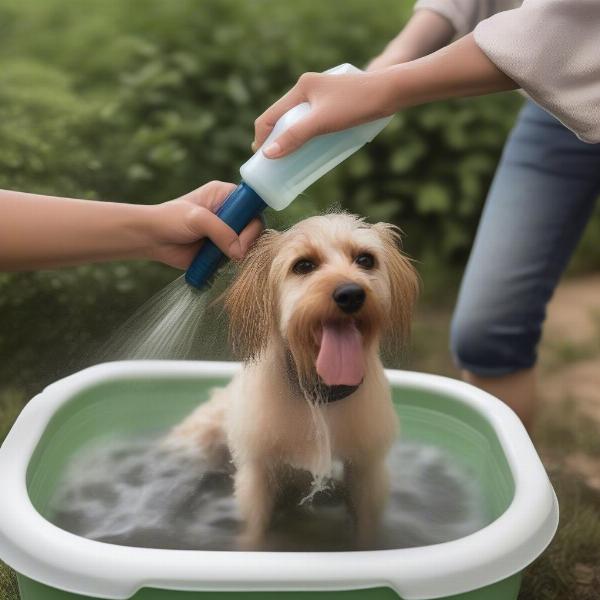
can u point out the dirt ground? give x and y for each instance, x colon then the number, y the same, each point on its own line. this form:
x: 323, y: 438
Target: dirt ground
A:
x: 572, y: 342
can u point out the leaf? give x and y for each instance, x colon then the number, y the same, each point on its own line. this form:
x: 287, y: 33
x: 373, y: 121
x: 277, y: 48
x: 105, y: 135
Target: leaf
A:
x: 433, y: 198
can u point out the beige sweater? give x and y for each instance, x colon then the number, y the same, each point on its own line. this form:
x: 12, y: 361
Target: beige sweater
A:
x: 551, y: 48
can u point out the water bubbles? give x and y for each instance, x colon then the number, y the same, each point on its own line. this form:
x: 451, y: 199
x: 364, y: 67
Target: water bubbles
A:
x: 134, y: 492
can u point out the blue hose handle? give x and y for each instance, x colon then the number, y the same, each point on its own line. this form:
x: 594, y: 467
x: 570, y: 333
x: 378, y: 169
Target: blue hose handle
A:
x: 238, y: 209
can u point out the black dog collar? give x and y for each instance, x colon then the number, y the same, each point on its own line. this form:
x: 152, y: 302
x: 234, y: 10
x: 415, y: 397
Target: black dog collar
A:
x: 318, y: 391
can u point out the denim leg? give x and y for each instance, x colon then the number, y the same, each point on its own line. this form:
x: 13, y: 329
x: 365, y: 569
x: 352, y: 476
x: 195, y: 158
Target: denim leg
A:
x: 537, y: 207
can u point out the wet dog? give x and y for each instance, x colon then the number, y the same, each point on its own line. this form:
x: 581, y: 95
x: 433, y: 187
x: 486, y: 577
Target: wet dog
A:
x: 309, y: 311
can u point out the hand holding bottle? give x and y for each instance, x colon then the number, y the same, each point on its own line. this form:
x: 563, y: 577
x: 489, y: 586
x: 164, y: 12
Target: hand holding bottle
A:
x: 336, y: 102
x: 346, y: 100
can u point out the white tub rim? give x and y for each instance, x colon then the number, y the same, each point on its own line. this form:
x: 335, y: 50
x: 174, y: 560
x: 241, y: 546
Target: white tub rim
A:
x: 41, y: 551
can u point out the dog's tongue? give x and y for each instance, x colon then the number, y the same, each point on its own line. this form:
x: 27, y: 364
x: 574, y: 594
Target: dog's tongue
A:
x: 340, y: 360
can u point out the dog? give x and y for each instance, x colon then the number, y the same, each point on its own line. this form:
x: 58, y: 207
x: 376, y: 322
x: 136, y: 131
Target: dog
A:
x: 309, y: 311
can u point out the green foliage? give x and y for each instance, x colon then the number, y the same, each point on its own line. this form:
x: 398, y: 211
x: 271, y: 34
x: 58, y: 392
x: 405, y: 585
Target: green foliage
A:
x: 53, y: 322
x: 429, y: 172
x: 40, y: 120
x: 141, y: 101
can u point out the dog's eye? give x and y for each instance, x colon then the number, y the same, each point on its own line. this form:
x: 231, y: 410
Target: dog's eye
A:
x: 304, y: 266
x: 365, y: 260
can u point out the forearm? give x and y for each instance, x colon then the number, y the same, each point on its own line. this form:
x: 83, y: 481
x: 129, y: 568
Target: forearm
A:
x: 45, y: 232
x: 460, y: 69
x: 426, y: 32
x: 342, y: 101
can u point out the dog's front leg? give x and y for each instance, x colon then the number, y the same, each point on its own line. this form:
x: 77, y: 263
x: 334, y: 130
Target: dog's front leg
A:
x: 255, y: 495
x: 368, y: 489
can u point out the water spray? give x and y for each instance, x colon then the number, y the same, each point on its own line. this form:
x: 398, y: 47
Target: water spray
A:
x: 167, y: 326
x: 275, y: 183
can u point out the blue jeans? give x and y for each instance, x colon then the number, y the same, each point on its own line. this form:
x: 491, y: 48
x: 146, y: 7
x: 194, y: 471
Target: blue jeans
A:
x: 537, y: 207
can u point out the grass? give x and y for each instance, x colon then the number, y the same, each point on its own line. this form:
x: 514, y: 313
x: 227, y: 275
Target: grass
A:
x: 8, y: 584
x: 569, y: 569
x: 565, y: 429
x: 562, y: 353
x: 11, y: 403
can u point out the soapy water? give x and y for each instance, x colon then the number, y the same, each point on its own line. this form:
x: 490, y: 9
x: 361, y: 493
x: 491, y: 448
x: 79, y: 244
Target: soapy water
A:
x: 166, y: 327
x: 134, y: 492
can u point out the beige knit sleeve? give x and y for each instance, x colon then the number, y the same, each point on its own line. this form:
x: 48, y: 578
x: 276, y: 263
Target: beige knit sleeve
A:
x: 551, y: 48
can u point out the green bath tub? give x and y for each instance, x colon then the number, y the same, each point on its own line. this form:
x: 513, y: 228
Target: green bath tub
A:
x: 471, y: 427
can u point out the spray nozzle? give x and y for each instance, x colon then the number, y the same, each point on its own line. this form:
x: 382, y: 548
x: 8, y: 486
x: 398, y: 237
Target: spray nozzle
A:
x: 238, y: 209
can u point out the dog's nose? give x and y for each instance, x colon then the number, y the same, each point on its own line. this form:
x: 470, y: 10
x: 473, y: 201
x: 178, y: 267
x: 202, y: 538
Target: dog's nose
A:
x: 349, y: 297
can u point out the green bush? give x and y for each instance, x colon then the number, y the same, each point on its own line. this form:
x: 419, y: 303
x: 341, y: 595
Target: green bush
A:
x: 159, y: 97
x: 41, y: 146
x: 141, y: 101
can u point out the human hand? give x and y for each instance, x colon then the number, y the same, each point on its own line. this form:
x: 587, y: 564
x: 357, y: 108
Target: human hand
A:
x: 178, y: 227
x: 337, y: 102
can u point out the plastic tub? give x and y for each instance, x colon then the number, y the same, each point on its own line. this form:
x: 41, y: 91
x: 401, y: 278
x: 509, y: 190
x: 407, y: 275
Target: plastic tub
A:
x: 469, y: 425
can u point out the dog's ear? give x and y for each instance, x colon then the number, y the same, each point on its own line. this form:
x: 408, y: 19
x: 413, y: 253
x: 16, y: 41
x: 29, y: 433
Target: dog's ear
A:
x: 404, y: 284
x: 250, y: 300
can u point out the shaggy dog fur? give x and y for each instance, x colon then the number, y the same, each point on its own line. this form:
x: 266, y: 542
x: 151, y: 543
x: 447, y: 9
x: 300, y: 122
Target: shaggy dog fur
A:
x: 276, y: 416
